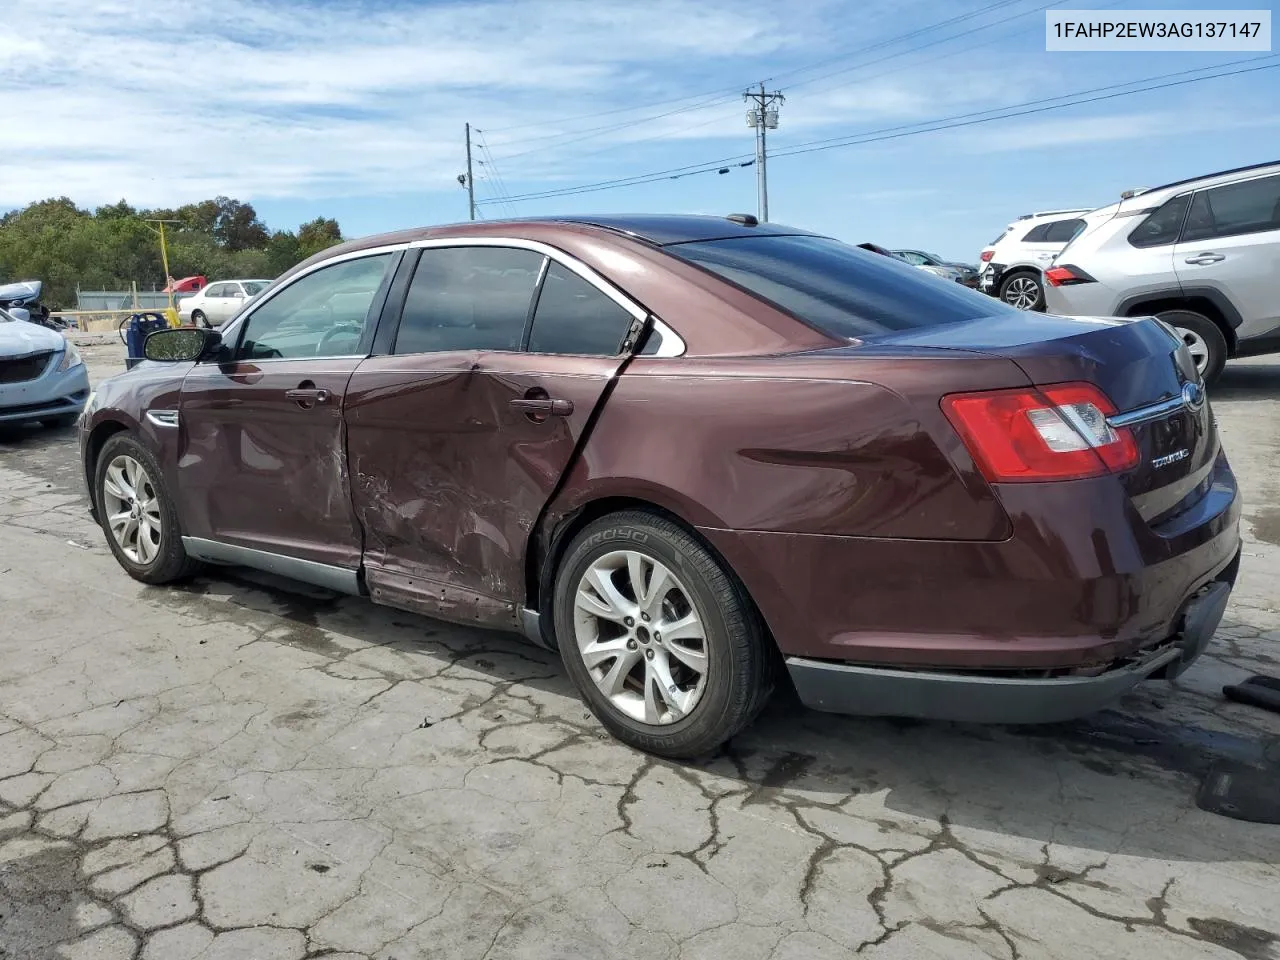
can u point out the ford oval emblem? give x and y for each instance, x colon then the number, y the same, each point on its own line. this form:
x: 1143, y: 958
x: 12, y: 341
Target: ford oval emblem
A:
x: 1193, y: 396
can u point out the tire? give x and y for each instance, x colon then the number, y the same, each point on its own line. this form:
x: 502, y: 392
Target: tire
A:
x: 739, y: 661
x: 162, y: 559
x: 61, y: 423
x: 1203, y: 338
x: 198, y: 319
x: 1023, y: 289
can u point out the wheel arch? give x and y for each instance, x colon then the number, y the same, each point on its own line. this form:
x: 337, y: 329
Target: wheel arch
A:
x: 102, y: 431
x: 1203, y: 300
x: 547, y: 547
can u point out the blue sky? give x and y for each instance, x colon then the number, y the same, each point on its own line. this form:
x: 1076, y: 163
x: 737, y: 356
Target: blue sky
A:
x: 355, y: 109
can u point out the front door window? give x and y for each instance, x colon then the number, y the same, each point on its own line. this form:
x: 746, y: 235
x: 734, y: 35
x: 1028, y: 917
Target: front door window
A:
x: 323, y: 314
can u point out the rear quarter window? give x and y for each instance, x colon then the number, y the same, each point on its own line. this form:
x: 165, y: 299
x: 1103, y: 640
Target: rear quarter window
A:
x: 836, y: 287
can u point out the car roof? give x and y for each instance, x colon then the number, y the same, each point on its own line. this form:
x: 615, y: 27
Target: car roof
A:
x: 655, y: 229
x: 1212, y: 176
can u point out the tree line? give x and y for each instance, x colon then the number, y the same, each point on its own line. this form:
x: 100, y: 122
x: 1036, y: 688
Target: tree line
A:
x: 63, y: 245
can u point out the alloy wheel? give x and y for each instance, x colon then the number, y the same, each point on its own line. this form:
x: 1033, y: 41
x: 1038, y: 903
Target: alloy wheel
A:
x: 640, y: 637
x: 1196, y: 346
x: 1022, y: 292
x: 132, y: 509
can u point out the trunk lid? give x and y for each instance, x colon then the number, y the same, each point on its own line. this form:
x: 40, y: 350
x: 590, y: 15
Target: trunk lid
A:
x: 1141, y: 367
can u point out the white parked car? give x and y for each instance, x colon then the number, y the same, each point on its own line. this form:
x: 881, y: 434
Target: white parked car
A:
x: 219, y: 302
x: 1013, y: 264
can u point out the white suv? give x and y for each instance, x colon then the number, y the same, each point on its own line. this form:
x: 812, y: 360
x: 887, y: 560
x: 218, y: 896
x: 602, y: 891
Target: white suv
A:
x: 1203, y: 255
x: 1013, y: 263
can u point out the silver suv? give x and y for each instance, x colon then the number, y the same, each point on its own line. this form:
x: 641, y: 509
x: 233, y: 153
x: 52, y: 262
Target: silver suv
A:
x: 1203, y: 255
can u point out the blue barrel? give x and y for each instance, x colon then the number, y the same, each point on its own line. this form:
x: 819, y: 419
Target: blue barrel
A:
x: 134, y: 330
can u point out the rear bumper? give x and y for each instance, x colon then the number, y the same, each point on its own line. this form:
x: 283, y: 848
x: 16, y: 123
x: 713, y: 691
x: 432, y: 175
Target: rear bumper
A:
x: 1082, y: 584
x: 975, y: 698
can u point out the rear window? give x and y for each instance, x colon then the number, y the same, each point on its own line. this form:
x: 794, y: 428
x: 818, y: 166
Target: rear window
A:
x: 838, y: 288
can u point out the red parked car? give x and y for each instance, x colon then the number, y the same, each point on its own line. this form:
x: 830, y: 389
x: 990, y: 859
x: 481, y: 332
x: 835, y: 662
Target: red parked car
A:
x: 691, y: 453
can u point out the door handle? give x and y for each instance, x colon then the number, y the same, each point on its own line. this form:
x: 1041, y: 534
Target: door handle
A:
x: 307, y: 395
x: 1204, y: 259
x: 544, y: 405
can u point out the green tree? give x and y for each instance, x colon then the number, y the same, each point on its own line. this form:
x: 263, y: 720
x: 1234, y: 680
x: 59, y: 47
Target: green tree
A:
x: 66, y: 247
x: 317, y: 234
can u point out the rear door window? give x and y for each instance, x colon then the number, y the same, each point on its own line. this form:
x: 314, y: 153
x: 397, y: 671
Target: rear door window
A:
x: 1162, y: 225
x: 572, y: 316
x: 468, y: 298
x: 838, y: 288
x: 1234, y: 209
x: 1063, y: 231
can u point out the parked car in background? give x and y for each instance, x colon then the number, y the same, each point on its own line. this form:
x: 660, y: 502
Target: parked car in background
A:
x: 219, y: 302
x: 684, y: 451
x: 1203, y: 255
x: 959, y: 272
x: 42, y: 377
x: 22, y: 301
x: 1013, y: 264
x: 186, y: 284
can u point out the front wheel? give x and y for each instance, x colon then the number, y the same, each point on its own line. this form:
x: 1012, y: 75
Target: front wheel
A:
x: 137, y: 513
x: 662, y: 642
x: 1023, y: 290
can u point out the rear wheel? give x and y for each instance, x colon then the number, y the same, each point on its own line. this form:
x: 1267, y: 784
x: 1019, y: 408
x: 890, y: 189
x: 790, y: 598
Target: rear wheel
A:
x: 198, y: 319
x: 662, y: 642
x: 1203, y: 338
x: 1023, y: 290
x: 138, y: 514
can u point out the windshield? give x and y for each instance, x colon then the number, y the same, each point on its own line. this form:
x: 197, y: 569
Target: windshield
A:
x: 7, y: 317
x: 836, y: 287
x: 254, y: 287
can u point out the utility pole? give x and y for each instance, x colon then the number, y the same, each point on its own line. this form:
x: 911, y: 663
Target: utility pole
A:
x: 762, y: 116
x: 468, y: 180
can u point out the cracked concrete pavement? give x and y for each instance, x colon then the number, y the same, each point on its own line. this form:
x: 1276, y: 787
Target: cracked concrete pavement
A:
x: 244, y: 769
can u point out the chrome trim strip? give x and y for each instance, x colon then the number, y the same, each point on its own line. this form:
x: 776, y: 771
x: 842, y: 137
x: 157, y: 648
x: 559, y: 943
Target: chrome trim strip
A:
x: 163, y: 418
x: 1146, y: 414
x: 339, y: 579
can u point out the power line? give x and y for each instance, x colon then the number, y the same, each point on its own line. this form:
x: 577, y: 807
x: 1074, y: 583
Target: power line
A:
x: 492, y: 172
x: 964, y: 119
x: 579, y: 135
x: 719, y: 119
x: 720, y: 97
x: 1042, y: 105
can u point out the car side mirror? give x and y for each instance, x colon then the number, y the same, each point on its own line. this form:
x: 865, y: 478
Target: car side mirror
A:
x: 180, y: 344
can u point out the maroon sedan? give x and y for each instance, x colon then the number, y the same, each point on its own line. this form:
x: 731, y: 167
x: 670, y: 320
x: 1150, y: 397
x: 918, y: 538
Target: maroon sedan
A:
x: 687, y: 452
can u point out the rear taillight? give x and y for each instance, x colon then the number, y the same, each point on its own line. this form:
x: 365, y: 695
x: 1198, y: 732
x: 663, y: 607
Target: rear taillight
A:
x: 1058, y: 432
x: 986, y: 256
x: 1065, y: 276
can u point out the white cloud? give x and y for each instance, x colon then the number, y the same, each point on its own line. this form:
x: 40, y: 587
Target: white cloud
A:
x: 169, y: 101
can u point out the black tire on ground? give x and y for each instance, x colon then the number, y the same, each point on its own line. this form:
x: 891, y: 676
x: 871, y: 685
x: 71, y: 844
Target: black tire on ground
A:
x: 1020, y: 280
x: 198, y: 319
x: 171, y: 562
x: 62, y: 422
x: 742, y: 663
x: 1208, y: 332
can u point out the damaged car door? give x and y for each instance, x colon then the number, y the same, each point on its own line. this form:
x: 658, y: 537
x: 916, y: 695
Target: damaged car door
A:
x: 262, y: 470
x: 459, y: 431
